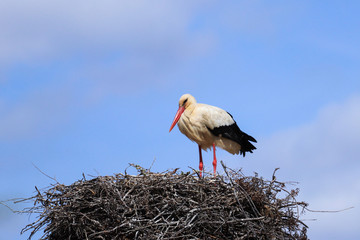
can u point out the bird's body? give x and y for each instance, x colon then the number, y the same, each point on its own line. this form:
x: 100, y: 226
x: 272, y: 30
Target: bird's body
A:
x: 211, y: 126
x: 197, y: 123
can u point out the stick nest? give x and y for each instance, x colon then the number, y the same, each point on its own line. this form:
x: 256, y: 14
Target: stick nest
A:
x: 168, y: 205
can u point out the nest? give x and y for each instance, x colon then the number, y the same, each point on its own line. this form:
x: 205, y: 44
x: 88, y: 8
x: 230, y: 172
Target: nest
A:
x: 169, y: 205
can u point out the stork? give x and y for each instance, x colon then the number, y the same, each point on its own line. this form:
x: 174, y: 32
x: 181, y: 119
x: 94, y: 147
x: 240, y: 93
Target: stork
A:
x: 210, y: 126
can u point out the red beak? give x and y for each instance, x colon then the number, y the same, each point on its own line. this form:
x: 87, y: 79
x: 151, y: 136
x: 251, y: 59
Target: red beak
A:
x: 177, y: 117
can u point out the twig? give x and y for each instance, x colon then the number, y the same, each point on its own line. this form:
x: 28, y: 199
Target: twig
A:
x: 329, y: 211
x: 167, y: 205
x: 53, y: 178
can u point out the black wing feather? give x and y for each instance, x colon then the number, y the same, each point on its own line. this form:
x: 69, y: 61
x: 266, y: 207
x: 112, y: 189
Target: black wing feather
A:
x: 234, y: 133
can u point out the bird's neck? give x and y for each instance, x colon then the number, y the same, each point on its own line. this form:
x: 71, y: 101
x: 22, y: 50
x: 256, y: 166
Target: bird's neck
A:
x: 190, y: 108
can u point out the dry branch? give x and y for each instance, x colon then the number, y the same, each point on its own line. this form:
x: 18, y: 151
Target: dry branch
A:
x: 168, y: 205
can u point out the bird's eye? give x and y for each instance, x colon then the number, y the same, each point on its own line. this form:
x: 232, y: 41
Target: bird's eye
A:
x: 184, y: 102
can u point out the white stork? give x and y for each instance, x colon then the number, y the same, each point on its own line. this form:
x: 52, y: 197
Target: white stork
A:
x: 210, y: 126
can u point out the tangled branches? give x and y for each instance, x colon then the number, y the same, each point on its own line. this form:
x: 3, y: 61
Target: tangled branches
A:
x: 169, y: 205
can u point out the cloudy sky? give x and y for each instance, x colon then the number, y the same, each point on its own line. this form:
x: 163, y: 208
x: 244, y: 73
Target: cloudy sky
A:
x: 91, y: 86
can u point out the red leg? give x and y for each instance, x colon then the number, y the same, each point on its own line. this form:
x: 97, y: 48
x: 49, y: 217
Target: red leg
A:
x: 215, y: 161
x: 201, y: 161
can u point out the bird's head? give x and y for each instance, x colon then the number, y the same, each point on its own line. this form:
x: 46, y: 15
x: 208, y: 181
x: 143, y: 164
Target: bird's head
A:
x: 185, y: 102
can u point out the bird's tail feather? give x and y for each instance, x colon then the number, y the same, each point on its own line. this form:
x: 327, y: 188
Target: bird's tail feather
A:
x: 246, y: 145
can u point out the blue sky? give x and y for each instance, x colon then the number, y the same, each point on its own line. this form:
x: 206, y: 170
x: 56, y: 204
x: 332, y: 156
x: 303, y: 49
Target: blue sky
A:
x: 89, y: 87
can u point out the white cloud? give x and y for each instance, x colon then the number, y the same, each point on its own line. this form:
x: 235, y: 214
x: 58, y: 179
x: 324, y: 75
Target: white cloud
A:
x: 330, y: 140
x: 33, y: 30
x: 125, y: 45
x: 323, y: 156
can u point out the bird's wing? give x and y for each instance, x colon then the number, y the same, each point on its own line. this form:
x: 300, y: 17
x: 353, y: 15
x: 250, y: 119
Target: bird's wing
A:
x: 212, y: 116
x: 221, y: 124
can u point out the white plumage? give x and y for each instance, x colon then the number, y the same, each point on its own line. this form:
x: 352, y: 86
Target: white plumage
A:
x: 210, y: 126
